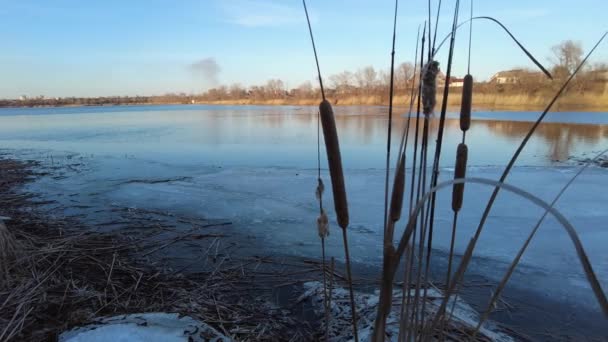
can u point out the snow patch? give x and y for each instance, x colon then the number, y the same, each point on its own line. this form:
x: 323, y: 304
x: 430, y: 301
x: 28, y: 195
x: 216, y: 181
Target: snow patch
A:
x: 340, y: 328
x: 148, y: 327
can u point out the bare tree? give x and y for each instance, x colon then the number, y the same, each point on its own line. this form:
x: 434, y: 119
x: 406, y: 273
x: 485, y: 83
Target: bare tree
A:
x: 342, y: 82
x: 567, y: 56
x: 237, y: 91
x: 275, y: 88
x: 403, y: 75
x: 384, y: 79
x: 304, y: 90
x: 366, y: 79
x: 213, y: 94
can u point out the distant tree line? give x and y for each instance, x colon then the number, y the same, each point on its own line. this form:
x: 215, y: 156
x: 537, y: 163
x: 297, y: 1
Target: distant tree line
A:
x: 363, y: 82
x: 71, y: 101
x: 366, y: 82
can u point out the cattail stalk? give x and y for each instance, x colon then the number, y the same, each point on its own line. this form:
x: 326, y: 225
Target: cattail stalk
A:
x: 461, y: 160
x: 334, y: 161
x: 471, y: 246
x: 335, y: 169
x: 421, y: 179
x: 437, y: 155
x: 409, y: 261
x: 523, y: 248
x: 336, y: 173
x: 457, y: 200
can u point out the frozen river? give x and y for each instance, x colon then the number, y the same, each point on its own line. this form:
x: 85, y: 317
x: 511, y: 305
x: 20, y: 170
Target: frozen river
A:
x: 256, y: 166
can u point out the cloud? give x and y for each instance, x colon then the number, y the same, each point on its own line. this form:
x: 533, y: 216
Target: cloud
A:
x: 261, y: 13
x: 207, y: 69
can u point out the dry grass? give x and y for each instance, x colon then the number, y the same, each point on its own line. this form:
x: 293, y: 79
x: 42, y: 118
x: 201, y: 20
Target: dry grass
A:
x: 58, y: 274
x: 9, y: 250
x: 487, y: 101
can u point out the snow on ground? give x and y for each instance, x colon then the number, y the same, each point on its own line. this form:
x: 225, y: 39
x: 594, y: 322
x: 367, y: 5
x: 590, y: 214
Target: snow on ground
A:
x: 148, y: 327
x: 340, y: 327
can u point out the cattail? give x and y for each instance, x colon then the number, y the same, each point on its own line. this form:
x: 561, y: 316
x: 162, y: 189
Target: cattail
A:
x: 323, y: 225
x: 460, y: 172
x: 335, y: 162
x: 320, y: 189
x: 429, y: 87
x: 398, y: 190
x: 466, y: 103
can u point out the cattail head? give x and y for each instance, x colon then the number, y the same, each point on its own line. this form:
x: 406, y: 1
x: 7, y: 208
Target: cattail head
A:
x: 459, y: 172
x: 334, y: 161
x: 323, y: 225
x: 429, y: 87
x: 398, y: 190
x: 466, y: 103
x: 320, y: 189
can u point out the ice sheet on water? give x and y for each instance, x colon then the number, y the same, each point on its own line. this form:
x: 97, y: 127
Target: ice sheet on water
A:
x: 278, y: 207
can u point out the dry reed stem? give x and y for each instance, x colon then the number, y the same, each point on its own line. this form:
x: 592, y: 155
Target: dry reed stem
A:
x: 9, y: 251
x: 530, y: 56
x: 66, y: 274
x: 572, y: 234
x: 582, y: 256
x: 501, y: 285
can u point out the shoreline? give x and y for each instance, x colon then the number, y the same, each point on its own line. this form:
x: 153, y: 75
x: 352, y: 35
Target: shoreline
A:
x: 101, y: 270
x: 526, y: 313
x: 59, y: 273
x: 63, y: 273
x: 576, y: 322
x: 485, y: 102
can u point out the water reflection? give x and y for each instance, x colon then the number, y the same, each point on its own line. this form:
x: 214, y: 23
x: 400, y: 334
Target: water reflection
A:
x: 488, y: 139
x: 561, y: 139
x: 491, y: 141
x: 287, y: 135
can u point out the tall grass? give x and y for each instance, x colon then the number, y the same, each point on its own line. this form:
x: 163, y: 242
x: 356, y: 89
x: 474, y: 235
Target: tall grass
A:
x: 334, y: 160
x: 414, y: 250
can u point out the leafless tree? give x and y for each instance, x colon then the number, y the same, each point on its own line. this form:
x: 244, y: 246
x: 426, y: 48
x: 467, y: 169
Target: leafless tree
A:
x: 366, y: 79
x: 567, y: 56
x: 275, y: 88
x: 342, y: 82
x: 237, y: 91
x: 403, y: 75
x: 304, y: 91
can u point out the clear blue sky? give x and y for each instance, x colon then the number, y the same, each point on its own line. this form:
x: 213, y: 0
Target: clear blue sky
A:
x: 119, y: 47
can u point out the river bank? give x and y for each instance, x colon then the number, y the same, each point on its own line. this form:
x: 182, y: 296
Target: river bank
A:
x: 61, y: 272
x: 124, y: 168
x: 587, y: 102
x: 481, y: 101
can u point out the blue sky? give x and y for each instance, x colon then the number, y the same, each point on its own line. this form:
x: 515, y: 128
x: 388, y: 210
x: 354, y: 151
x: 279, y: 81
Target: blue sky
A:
x: 112, y: 47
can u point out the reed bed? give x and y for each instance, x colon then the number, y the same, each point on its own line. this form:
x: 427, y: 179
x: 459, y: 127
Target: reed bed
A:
x: 414, y: 250
x: 58, y: 274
